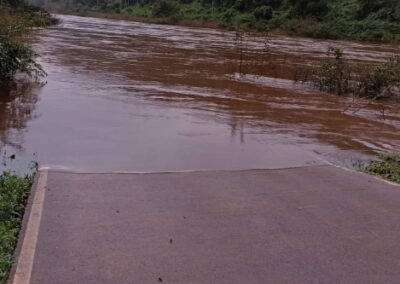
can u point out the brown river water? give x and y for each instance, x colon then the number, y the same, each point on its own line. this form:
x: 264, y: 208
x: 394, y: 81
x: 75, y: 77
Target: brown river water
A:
x: 135, y: 97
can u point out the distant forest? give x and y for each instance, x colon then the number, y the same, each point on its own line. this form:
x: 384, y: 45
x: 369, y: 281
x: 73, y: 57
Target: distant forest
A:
x: 370, y: 20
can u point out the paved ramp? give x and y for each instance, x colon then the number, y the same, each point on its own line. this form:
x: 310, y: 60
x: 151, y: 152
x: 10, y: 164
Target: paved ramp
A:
x: 302, y: 225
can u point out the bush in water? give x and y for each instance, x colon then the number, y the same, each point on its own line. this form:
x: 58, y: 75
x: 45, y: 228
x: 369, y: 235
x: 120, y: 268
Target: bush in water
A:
x: 336, y: 75
x: 16, y: 57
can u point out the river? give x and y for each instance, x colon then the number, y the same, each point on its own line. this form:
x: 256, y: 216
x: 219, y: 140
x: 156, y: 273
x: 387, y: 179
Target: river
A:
x: 135, y: 97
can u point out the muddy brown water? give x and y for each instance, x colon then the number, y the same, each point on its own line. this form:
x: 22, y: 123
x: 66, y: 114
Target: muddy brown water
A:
x: 127, y: 96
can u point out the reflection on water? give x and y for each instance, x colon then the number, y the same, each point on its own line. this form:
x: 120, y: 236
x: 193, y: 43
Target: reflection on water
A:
x: 17, y: 107
x: 125, y: 96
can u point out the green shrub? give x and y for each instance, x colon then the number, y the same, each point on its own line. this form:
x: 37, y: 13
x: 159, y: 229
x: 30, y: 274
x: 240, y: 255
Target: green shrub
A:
x: 16, y: 57
x: 14, y: 192
x: 140, y: 11
x: 386, y: 166
x: 333, y: 75
x: 165, y: 9
x: 228, y: 17
x: 336, y: 75
x: 280, y: 18
x: 263, y: 13
x: 381, y: 79
x: 310, y: 28
x: 245, y: 21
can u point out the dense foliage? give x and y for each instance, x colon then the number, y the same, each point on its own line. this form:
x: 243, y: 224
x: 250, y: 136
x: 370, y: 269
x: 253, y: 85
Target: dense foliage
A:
x: 15, y: 56
x: 373, y: 20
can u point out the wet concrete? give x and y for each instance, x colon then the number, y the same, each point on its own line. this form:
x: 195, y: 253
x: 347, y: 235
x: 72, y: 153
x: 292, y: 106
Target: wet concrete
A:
x: 318, y: 224
x: 125, y: 96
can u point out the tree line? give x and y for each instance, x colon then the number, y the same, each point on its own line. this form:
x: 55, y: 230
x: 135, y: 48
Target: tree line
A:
x: 373, y: 20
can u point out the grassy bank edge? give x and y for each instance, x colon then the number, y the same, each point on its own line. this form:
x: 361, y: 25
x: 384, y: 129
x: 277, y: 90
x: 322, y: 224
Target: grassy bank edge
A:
x: 14, y: 194
x: 385, y: 166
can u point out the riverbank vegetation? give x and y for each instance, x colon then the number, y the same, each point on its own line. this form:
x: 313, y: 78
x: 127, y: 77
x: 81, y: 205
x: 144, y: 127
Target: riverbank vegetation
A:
x: 387, y: 166
x: 14, y: 192
x: 16, y: 18
x: 337, y: 19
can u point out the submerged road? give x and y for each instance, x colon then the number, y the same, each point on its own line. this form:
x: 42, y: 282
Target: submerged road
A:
x: 135, y: 97
x: 317, y: 224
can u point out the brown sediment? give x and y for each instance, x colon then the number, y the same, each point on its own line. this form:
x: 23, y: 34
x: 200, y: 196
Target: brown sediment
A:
x: 144, y: 97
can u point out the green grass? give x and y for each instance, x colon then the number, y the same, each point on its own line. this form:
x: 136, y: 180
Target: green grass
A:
x: 387, y: 166
x: 14, y: 192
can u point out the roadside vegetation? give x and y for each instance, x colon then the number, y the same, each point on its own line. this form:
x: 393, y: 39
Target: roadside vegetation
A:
x: 14, y: 192
x: 387, y: 166
x: 337, y: 19
x: 17, y: 18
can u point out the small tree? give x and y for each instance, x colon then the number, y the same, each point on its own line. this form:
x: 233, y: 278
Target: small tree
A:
x: 334, y: 75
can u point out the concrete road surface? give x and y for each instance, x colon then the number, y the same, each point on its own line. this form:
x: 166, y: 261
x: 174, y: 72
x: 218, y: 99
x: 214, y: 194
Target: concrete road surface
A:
x: 319, y: 224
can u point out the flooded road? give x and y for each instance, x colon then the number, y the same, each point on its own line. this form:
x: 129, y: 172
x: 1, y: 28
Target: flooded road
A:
x: 126, y: 96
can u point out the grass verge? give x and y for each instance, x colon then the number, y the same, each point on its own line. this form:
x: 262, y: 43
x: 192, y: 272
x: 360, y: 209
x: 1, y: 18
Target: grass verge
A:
x: 14, y: 192
x: 387, y: 166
